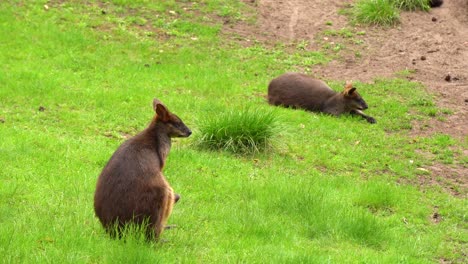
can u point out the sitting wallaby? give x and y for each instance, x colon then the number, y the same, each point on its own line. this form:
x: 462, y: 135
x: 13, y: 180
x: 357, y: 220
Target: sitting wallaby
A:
x: 132, y: 187
x: 301, y: 91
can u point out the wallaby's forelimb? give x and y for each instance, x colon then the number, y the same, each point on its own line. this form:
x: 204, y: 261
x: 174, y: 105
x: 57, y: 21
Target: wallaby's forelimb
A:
x: 369, y: 119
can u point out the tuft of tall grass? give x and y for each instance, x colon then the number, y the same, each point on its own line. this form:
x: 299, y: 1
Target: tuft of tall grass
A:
x: 376, y: 12
x: 239, y: 131
x: 411, y: 5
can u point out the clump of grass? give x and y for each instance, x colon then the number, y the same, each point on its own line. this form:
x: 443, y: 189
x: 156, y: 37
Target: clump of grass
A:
x: 378, y: 196
x: 239, y: 131
x: 411, y: 5
x: 376, y: 12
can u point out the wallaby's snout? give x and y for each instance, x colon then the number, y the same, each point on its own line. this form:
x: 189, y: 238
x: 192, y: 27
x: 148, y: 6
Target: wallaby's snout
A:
x: 179, y: 129
x: 362, y: 105
x: 186, y: 133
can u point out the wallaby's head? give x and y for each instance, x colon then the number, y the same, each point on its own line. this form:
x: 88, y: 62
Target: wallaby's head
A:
x: 173, y: 124
x: 352, y: 98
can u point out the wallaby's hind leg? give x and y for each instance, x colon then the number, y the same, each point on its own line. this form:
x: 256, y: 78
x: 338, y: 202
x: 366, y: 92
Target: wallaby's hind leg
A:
x: 369, y: 119
x: 176, y: 199
x: 170, y: 200
x: 164, y: 212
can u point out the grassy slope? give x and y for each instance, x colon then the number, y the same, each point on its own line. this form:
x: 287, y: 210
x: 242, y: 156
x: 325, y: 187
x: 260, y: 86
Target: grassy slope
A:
x: 330, y: 192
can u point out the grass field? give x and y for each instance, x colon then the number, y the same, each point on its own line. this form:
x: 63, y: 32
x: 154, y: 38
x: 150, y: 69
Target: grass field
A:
x: 78, y: 77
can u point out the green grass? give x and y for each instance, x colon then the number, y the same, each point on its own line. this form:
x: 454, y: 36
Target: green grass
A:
x: 376, y: 12
x: 239, y: 131
x: 336, y: 190
x: 412, y: 5
x: 384, y: 12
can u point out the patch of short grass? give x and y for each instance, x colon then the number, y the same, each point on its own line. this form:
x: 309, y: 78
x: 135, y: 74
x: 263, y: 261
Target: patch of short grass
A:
x: 239, y: 131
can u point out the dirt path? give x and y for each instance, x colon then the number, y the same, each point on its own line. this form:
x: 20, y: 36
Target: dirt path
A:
x: 433, y: 45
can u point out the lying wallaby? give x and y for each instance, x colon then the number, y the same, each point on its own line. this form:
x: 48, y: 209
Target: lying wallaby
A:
x: 301, y: 91
x: 132, y: 187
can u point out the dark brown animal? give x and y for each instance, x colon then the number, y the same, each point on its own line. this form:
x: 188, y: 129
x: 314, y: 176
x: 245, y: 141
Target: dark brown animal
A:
x: 301, y: 91
x: 132, y: 188
x: 436, y: 3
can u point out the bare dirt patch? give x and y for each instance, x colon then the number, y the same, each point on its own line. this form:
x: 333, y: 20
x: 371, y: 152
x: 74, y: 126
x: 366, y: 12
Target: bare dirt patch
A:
x: 431, y: 46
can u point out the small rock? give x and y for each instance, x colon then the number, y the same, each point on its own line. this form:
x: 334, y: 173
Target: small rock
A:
x: 423, y: 58
x: 41, y: 108
x: 46, y: 7
x: 434, y: 19
x: 448, y: 78
x: 436, y: 217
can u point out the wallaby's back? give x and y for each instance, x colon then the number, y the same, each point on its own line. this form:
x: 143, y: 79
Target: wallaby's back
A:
x: 299, y: 91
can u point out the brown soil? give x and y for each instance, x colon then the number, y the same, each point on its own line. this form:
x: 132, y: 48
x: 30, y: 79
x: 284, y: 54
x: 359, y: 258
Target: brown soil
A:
x: 432, y: 45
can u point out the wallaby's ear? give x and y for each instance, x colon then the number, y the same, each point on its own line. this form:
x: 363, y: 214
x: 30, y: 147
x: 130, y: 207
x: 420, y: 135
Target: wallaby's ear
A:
x: 349, y: 89
x: 348, y: 85
x: 160, y: 110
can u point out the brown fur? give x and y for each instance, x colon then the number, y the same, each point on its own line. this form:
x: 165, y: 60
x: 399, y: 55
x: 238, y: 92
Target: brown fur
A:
x: 132, y: 188
x: 436, y: 3
x: 301, y: 91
